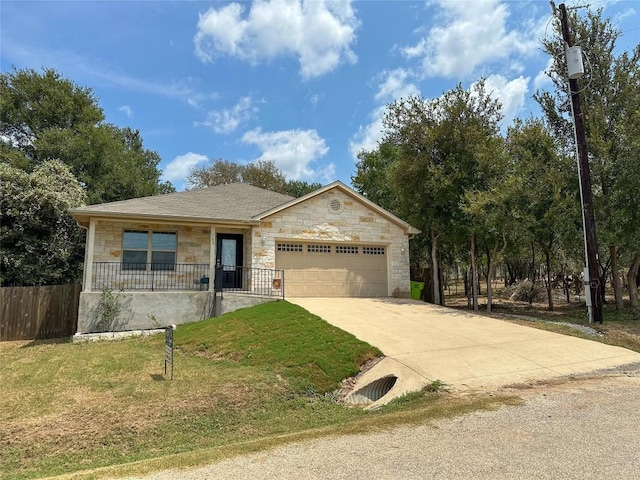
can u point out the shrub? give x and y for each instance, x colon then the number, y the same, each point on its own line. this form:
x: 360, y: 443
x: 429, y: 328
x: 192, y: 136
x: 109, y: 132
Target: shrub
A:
x: 528, y: 291
x: 110, y: 314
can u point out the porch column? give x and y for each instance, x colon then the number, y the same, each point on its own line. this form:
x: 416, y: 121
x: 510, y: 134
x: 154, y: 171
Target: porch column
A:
x: 88, y: 257
x: 212, y: 258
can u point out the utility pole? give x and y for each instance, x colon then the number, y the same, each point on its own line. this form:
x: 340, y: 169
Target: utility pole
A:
x: 591, y: 247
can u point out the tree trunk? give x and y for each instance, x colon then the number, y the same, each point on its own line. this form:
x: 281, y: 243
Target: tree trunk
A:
x: 547, y: 256
x: 532, y: 273
x: 490, y: 269
x: 467, y: 288
x: 474, y: 272
x: 615, y: 277
x: 632, y: 274
x: 435, y: 269
x: 602, y: 283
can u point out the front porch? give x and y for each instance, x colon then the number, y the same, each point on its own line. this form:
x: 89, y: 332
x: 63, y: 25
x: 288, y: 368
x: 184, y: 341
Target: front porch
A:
x: 187, y: 277
x: 151, y: 297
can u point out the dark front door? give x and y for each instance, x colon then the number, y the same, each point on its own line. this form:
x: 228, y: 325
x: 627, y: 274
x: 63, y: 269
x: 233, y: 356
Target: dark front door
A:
x: 229, y: 254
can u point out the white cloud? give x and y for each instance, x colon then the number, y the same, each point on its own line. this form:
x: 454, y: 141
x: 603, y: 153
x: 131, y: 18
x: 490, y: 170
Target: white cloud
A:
x: 626, y: 13
x: 369, y: 135
x: 471, y: 33
x: 177, y: 169
x: 318, y: 32
x: 393, y: 85
x: 126, y: 109
x: 76, y: 65
x: 511, y: 93
x: 542, y: 80
x: 293, y: 152
x: 229, y: 119
x: 314, y: 99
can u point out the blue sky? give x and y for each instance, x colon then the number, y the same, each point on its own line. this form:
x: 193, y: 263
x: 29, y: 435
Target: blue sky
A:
x: 301, y: 83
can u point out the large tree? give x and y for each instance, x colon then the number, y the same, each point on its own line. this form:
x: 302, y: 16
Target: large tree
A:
x: 445, y: 148
x: 541, y: 192
x: 610, y: 91
x: 261, y: 173
x: 44, y: 116
x: 220, y: 172
x: 373, y: 175
x: 40, y: 244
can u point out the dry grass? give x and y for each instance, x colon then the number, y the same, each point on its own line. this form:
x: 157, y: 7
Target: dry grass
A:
x: 250, y: 380
x: 620, y: 328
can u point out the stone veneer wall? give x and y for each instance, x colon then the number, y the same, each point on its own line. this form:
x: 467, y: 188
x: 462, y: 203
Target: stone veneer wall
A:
x: 193, y: 247
x: 193, y: 242
x: 314, y: 220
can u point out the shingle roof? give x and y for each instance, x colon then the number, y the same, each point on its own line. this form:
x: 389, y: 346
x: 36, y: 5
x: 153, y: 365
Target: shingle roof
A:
x: 234, y: 202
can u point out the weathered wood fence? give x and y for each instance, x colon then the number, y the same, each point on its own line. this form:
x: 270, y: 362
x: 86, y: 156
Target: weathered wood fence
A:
x: 31, y: 313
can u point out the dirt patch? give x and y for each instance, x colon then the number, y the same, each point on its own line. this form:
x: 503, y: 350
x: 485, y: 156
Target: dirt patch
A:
x: 94, y: 419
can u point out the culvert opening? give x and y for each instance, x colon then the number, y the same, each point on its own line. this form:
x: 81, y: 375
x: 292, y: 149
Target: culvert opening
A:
x: 372, y: 392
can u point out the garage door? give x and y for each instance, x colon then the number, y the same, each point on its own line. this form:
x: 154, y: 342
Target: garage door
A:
x: 329, y: 270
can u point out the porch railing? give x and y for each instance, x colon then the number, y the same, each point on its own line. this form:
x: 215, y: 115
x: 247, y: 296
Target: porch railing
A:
x: 250, y: 281
x: 150, y: 276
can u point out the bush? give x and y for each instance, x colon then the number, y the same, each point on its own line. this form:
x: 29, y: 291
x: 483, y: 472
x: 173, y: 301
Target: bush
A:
x: 528, y: 291
x: 110, y: 314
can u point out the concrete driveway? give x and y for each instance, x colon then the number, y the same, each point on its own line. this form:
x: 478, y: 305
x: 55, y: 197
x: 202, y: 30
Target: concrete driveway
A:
x: 423, y: 342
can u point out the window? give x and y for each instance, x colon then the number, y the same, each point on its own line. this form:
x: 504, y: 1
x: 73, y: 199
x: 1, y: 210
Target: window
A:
x: 289, y: 247
x: 318, y: 248
x: 346, y: 249
x: 143, y: 249
x: 373, y: 250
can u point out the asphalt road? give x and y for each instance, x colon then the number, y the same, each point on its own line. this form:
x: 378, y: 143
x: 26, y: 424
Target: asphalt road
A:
x: 587, y: 429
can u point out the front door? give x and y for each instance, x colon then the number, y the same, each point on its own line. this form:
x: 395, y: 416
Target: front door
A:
x: 229, y: 254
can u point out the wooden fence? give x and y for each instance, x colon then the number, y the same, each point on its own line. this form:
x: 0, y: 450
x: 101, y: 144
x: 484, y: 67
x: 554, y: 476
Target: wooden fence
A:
x: 31, y: 313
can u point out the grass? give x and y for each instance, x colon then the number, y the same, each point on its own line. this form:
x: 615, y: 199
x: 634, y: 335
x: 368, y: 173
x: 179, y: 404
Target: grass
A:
x: 247, y: 380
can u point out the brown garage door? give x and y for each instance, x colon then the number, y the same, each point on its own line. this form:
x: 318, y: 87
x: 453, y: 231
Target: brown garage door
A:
x: 330, y: 270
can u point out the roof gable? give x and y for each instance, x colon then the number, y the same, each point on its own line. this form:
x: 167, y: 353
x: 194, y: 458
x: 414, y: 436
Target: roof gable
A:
x: 350, y: 192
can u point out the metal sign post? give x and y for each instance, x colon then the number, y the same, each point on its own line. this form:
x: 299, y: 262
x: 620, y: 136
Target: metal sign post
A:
x: 168, y: 348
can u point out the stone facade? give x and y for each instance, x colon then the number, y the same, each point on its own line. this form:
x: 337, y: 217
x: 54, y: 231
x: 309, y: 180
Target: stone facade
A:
x: 335, y: 217
x: 192, y: 256
x: 192, y: 242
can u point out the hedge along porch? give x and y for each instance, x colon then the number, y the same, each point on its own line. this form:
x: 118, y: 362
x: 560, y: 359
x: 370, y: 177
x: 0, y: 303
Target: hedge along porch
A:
x: 158, y: 254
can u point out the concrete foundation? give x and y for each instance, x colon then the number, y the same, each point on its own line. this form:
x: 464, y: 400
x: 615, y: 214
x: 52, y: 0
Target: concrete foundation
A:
x: 146, y: 310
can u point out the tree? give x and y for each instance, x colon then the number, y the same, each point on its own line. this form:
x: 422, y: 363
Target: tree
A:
x: 373, y: 175
x: 40, y: 244
x: 261, y: 173
x: 45, y: 116
x: 444, y: 147
x: 541, y: 192
x: 264, y: 174
x: 300, y: 188
x: 610, y: 91
x: 491, y: 220
x: 220, y: 172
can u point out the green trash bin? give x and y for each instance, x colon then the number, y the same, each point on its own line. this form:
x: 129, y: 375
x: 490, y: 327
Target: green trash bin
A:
x: 416, y: 290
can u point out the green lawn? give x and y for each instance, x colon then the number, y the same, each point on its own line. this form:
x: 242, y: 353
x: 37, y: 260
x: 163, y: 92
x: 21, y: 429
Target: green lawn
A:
x: 247, y: 380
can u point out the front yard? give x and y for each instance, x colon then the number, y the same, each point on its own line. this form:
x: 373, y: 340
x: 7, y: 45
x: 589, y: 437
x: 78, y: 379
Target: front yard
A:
x: 244, y: 381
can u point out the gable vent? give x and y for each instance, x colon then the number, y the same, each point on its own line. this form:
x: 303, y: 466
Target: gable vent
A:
x: 336, y: 205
